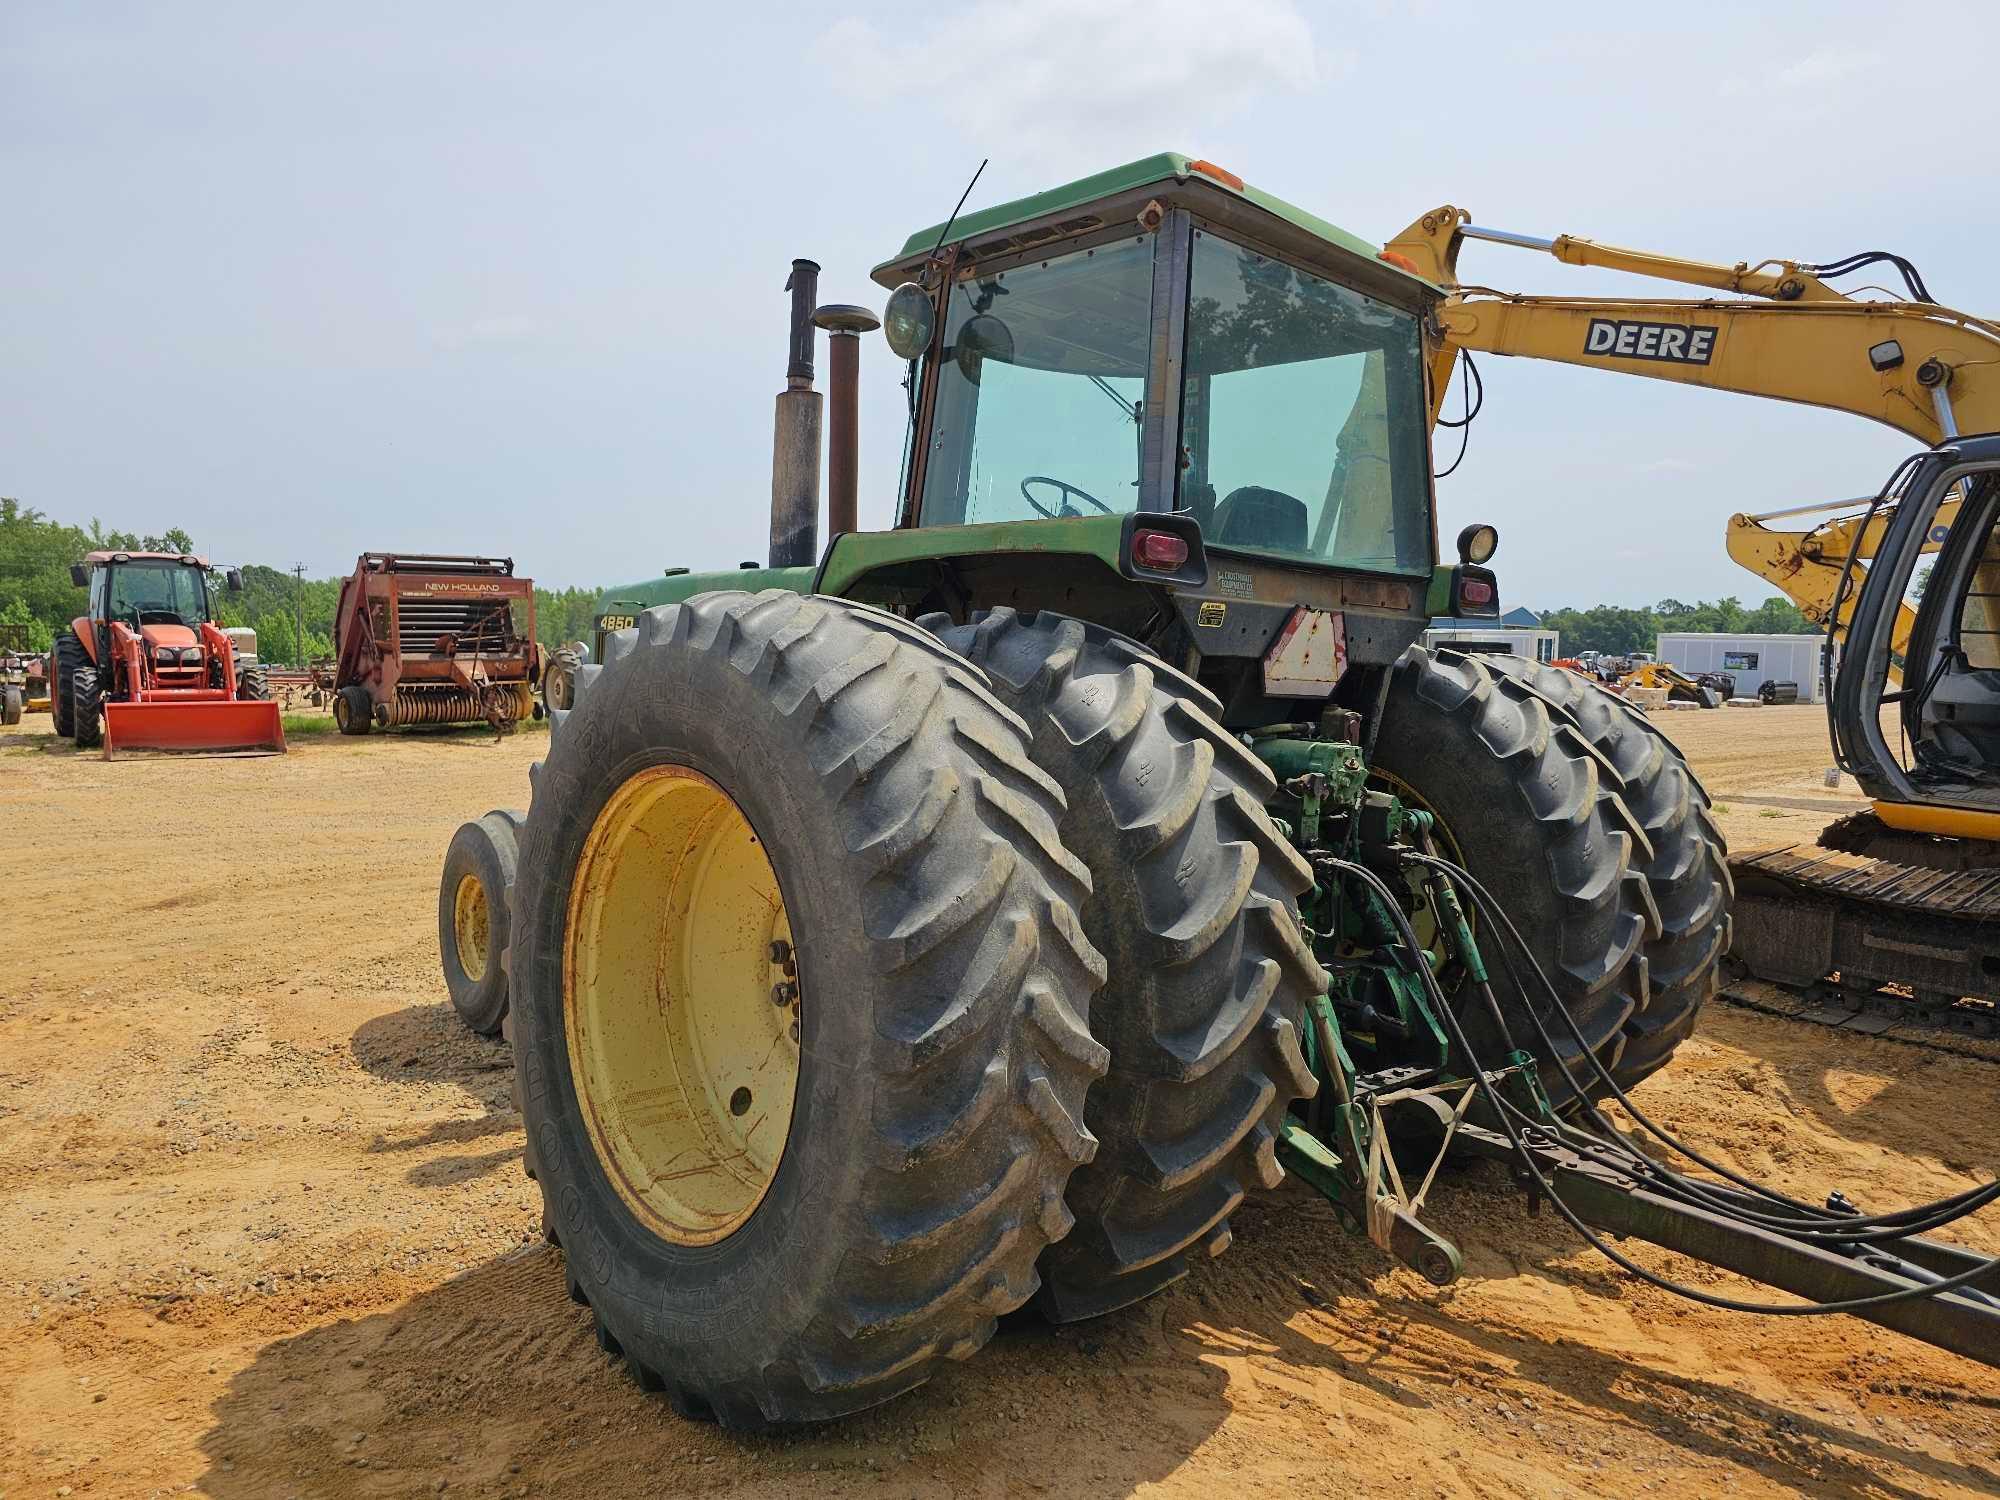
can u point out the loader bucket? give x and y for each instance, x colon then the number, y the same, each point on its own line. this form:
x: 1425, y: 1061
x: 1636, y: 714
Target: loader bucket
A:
x: 215, y: 725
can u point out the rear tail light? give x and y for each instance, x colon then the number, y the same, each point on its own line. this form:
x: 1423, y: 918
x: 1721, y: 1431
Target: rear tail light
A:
x: 1159, y: 551
x: 1475, y: 591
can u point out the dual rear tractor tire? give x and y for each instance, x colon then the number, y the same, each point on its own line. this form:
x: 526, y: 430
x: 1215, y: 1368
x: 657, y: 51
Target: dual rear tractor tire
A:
x: 803, y: 949
x: 1194, y: 903
x: 1586, y: 822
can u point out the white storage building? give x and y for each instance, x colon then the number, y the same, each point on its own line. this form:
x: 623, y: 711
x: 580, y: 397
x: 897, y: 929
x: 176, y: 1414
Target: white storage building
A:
x: 1752, y: 660
x: 1494, y: 640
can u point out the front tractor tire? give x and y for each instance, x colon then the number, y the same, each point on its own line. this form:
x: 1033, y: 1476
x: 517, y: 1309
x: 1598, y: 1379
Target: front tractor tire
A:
x: 63, y: 662
x: 1194, y: 903
x: 800, y: 1005
x: 86, y: 707
x: 473, y: 898
x: 1589, y: 826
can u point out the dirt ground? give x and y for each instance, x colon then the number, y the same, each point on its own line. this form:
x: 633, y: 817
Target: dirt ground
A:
x: 268, y: 1233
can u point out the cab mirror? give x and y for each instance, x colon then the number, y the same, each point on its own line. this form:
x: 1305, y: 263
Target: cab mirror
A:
x: 79, y: 575
x: 234, y: 578
x: 982, y: 338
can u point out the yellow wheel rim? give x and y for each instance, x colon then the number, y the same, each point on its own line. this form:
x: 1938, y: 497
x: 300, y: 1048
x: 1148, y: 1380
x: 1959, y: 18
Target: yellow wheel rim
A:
x: 1424, y: 924
x: 681, y: 1005
x: 470, y: 924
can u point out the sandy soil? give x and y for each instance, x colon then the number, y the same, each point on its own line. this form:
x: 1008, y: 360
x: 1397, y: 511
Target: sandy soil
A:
x: 269, y: 1235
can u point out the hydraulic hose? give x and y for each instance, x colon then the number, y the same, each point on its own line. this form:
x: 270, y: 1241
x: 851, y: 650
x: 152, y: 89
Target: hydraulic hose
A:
x: 1547, y: 1189
x: 1822, y: 1225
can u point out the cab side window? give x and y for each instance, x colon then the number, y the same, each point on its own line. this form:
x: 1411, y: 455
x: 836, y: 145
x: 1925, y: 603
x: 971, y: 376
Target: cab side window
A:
x: 1979, y: 612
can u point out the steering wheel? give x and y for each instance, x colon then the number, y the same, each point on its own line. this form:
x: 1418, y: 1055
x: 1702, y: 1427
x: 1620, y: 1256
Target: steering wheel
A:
x: 1065, y: 508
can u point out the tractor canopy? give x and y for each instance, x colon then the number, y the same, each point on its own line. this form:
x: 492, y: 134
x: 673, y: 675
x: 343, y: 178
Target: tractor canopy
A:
x: 1162, y: 338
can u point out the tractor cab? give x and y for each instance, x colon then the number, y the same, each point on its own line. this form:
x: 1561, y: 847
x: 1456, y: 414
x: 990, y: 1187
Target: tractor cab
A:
x: 1156, y: 398
x: 1234, y: 387
x: 162, y: 598
x: 1173, y: 349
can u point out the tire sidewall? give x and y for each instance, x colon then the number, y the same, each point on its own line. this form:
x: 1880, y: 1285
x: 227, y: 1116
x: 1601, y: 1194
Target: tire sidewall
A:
x: 732, y: 1306
x: 488, y: 854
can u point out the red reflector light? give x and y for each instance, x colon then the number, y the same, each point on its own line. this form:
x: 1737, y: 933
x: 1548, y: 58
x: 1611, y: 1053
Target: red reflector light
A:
x: 1161, y: 551
x: 1475, y: 591
x: 1397, y: 258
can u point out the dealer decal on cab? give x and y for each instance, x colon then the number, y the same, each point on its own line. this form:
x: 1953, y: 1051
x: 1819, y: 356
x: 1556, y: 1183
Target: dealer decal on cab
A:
x: 1664, y: 341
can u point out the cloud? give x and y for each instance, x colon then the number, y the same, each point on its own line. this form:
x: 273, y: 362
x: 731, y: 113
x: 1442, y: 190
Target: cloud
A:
x: 494, y: 330
x: 1815, y: 71
x: 1121, y: 75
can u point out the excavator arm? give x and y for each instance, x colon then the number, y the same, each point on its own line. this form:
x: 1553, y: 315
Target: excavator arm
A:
x: 1780, y: 331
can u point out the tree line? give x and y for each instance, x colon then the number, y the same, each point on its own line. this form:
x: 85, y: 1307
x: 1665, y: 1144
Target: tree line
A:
x: 35, y: 589
x: 1618, y: 631
x: 36, y: 553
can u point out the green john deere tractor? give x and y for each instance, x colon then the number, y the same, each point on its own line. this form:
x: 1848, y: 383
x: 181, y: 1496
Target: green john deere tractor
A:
x: 972, y: 913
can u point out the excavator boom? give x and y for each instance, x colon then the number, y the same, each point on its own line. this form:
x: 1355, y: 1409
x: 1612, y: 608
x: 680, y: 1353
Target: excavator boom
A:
x: 1786, y: 334
x: 1884, y: 912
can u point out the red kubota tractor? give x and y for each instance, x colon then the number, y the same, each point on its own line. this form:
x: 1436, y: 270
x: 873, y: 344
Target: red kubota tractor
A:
x: 146, y: 666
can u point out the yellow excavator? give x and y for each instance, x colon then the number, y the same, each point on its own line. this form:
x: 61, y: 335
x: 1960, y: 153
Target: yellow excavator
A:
x: 1896, y: 909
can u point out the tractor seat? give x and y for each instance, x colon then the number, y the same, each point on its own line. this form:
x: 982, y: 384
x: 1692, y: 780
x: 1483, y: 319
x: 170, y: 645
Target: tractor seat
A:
x: 1257, y: 517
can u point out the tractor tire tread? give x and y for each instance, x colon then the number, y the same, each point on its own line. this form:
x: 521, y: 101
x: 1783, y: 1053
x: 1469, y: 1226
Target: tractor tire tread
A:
x: 1685, y: 858
x: 1553, y: 809
x: 1194, y: 901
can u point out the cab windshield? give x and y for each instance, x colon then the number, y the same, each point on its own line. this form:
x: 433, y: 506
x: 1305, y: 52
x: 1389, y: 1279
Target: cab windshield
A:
x: 1303, y: 422
x: 1041, y: 390
x: 157, y: 594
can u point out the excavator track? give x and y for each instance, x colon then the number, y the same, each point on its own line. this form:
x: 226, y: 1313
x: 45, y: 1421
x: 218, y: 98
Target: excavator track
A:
x: 1871, y: 945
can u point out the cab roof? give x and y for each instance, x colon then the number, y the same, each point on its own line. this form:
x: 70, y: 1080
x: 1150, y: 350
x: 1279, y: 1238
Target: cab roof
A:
x: 125, y: 555
x: 1167, y: 168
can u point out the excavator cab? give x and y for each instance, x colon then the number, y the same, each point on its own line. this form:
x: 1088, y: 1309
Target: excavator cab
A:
x: 1945, y: 781
x: 1894, y: 911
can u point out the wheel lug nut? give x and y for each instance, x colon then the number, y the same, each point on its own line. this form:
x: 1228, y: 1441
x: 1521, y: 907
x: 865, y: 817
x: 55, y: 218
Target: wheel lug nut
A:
x: 784, y: 994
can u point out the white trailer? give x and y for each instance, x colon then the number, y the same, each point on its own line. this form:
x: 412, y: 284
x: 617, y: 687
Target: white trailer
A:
x: 1752, y: 660
x: 1495, y: 640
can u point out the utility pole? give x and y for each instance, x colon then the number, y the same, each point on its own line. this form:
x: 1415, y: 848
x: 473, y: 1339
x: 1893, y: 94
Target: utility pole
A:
x: 299, y: 615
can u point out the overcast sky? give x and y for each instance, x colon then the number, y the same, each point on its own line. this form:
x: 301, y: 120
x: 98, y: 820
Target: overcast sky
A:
x: 312, y: 279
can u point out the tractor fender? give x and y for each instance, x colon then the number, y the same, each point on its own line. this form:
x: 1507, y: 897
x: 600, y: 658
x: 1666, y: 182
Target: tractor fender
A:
x: 81, y: 628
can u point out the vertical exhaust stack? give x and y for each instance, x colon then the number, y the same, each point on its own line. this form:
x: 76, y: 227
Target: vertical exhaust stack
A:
x: 795, y: 440
x: 844, y: 324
